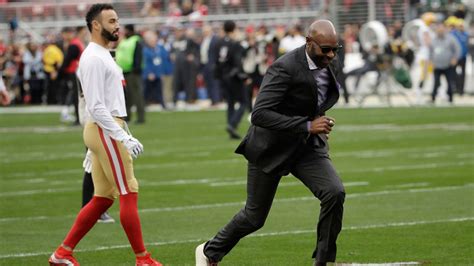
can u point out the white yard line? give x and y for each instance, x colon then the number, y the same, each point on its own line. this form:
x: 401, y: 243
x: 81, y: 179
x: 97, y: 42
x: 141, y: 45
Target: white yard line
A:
x: 210, y: 181
x: 344, y: 127
x: 269, y: 234
x: 426, y: 152
x: 282, y: 184
x: 39, y: 129
x: 241, y: 203
x: 400, y: 263
x: 419, y: 184
x: 229, y: 161
x: 204, y: 181
x: 407, y: 128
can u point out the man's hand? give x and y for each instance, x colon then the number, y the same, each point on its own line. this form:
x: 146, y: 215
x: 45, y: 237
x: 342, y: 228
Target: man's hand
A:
x: 454, y: 61
x: 87, y: 164
x: 151, y: 77
x: 133, y: 146
x: 248, y: 81
x: 322, y: 124
x: 54, y: 75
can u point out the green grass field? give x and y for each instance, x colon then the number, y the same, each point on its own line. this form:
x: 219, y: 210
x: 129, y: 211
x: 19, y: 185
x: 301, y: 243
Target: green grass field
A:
x: 408, y: 172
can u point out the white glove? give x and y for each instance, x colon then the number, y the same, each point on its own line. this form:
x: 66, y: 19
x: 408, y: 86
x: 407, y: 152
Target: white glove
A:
x: 133, y: 146
x: 87, y: 163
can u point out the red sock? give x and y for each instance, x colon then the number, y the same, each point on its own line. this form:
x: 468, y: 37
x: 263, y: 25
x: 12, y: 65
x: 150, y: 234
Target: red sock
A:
x: 63, y: 252
x: 86, y: 219
x: 131, y: 222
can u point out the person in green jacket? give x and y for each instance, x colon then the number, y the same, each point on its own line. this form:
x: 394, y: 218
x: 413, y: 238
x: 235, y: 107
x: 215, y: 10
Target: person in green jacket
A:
x: 129, y: 58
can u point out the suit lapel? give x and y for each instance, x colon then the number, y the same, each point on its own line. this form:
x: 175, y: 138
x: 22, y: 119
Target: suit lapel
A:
x: 308, y: 76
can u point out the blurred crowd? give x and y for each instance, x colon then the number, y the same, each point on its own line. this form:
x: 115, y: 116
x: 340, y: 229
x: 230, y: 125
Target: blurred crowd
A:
x: 172, y: 65
x: 424, y: 49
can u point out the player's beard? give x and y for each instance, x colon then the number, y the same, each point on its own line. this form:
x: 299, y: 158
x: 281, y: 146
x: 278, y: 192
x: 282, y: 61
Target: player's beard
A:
x: 109, y: 36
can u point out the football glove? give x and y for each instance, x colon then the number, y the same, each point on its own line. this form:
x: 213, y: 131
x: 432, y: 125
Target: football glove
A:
x: 133, y: 146
x: 87, y: 163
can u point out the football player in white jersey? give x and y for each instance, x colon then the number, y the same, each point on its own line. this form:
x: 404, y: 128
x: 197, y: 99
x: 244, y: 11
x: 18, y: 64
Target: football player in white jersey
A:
x: 107, y: 137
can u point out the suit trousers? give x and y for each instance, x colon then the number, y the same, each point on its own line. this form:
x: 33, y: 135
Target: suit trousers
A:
x: 317, y: 173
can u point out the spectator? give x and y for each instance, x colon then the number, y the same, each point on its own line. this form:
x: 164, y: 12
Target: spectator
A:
x: 186, y: 53
x: 174, y: 13
x: 67, y: 72
x: 462, y: 37
x: 208, y: 60
x: 33, y: 73
x: 129, y: 57
x: 153, y: 56
x: 168, y: 67
x: 231, y: 75
x: 446, y: 52
x: 52, y: 58
x: 254, y: 64
x: 292, y: 40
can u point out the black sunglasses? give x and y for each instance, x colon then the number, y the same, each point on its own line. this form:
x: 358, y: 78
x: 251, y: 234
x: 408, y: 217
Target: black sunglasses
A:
x: 326, y: 49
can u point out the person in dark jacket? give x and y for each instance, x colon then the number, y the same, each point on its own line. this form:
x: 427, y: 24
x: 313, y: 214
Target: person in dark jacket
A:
x: 67, y: 71
x: 229, y: 71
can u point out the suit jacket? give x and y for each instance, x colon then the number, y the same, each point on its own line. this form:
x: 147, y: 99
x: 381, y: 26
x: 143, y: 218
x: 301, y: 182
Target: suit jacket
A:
x: 288, y: 99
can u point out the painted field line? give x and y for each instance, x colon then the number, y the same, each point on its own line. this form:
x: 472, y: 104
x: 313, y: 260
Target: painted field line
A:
x: 39, y: 129
x: 400, y: 263
x: 206, y: 180
x: 404, y: 128
x: 241, y: 203
x: 407, y: 185
x: 37, y: 191
x: 238, y: 160
x: 346, y: 127
x: 178, y: 152
x: 429, y: 152
x: 361, y: 153
x: 282, y: 184
x: 269, y: 234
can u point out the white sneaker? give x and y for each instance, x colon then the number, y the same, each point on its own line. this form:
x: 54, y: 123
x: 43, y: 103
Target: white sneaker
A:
x: 201, y: 259
x: 105, y: 218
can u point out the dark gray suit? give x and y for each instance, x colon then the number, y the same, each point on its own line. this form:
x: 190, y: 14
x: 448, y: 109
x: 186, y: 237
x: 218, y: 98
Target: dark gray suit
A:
x: 278, y: 143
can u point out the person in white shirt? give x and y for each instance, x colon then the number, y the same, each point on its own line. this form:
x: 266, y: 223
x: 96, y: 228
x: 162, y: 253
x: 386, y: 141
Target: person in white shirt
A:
x: 107, y: 137
x: 293, y: 40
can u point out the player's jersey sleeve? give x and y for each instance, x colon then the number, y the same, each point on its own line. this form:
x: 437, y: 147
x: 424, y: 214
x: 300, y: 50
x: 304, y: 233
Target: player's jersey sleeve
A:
x: 92, y: 75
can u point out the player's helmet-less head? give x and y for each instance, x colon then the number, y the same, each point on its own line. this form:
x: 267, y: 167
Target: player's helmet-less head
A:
x: 94, y: 12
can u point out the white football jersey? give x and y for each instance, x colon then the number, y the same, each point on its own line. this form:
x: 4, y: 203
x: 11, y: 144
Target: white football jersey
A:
x: 102, y: 83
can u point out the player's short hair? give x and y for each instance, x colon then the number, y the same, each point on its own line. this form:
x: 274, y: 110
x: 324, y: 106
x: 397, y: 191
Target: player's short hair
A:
x: 94, y: 12
x: 229, y: 26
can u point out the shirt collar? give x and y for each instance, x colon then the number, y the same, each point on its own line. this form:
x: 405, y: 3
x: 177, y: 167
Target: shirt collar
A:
x: 311, y: 64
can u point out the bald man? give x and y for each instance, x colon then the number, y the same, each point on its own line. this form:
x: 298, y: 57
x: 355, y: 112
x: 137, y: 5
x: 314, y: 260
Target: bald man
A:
x: 289, y: 134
